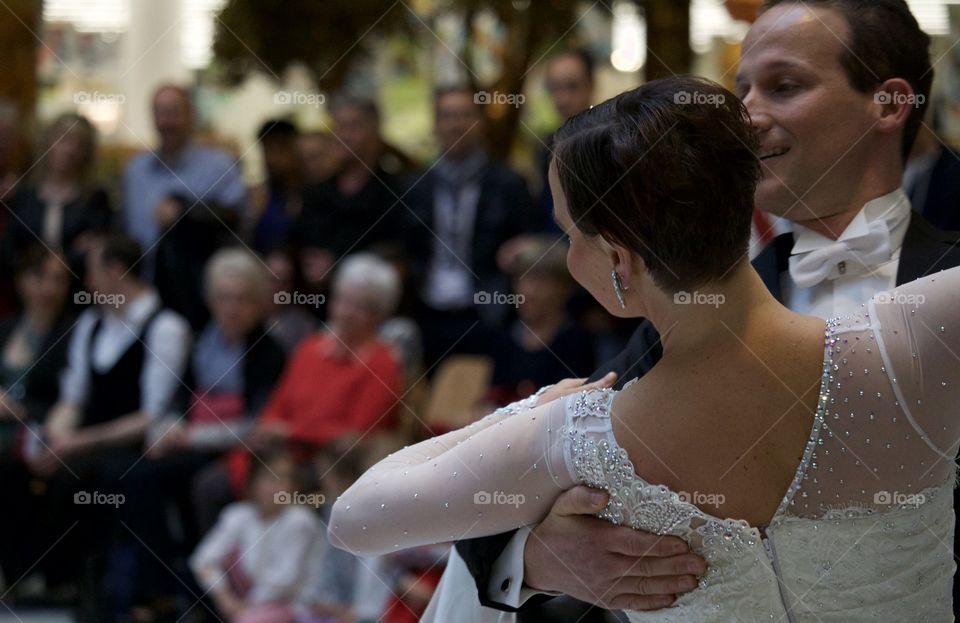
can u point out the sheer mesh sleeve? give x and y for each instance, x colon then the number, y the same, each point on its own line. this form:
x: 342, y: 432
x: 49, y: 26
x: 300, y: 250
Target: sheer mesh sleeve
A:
x: 890, y: 430
x: 496, y: 475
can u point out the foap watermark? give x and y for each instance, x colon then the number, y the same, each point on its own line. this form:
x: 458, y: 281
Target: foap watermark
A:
x: 500, y: 99
x: 99, y: 298
x: 499, y: 498
x: 699, y: 298
x: 893, y: 297
x: 315, y: 500
x: 895, y: 498
x: 698, y: 498
x: 299, y: 98
x: 910, y: 99
x: 96, y: 97
x: 95, y: 498
x: 497, y: 298
x: 685, y: 98
x: 308, y: 299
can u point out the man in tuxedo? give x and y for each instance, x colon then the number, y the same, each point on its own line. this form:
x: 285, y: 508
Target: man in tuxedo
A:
x: 836, y: 90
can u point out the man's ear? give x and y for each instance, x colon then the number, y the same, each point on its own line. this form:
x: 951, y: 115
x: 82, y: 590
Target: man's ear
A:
x: 895, y: 101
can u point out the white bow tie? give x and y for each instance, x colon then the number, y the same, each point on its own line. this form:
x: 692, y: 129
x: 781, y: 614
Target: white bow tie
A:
x: 856, y: 255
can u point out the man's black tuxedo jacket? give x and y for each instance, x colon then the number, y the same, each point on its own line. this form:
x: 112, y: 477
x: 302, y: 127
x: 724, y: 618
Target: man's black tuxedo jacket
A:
x: 925, y: 250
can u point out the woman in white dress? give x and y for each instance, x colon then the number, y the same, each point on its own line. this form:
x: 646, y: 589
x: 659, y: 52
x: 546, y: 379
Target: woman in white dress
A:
x: 810, y: 463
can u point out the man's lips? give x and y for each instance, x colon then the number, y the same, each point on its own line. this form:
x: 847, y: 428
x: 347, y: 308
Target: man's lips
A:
x: 772, y: 152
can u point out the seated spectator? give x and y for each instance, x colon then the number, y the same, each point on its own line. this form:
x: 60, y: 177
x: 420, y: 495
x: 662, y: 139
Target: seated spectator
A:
x: 543, y: 343
x: 343, y: 381
x: 275, y: 205
x: 233, y: 368
x: 126, y: 357
x: 33, y: 353
x: 62, y: 207
x: 287, y: 321
x: 254, y: 561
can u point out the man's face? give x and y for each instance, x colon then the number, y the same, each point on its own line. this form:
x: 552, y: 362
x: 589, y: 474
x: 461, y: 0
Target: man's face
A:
x: 172, y: 117
x: 357, y: 132
x: 569, y: 86
x: 458, y: 124
x: 814, y: 127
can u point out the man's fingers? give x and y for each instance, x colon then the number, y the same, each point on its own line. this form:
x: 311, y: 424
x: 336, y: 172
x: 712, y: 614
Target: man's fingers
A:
x: 651, y: 567
x: 630, y: 542
x: 580, y: 501
x: 669, y: 585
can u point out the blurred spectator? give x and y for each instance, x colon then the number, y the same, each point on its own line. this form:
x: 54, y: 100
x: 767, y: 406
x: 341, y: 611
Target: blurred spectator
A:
x: 932, y: 178
x: 9, y: 143
x: 276, y: 204
x: 464, y: 208
x: 321, y: 155
x: 358, y: 207
x: 181, y: 202
x: 33, y: 352
x: 63, y: 208
x: 233, y: 368
x: 543, y: 344
x: 126, y: 357
x: 254, y: 561
x: 343, y: 381
x: 287, y: 321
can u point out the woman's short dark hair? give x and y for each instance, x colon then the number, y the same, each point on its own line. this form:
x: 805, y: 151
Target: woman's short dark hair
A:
x: 667, y: 170
x: 885, y: 42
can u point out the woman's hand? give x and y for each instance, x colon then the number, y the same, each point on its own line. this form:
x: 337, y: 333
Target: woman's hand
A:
x: 572, y: 386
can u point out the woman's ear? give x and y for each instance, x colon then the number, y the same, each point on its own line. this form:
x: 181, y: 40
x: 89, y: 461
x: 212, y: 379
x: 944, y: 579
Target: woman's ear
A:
x: 625, y: 263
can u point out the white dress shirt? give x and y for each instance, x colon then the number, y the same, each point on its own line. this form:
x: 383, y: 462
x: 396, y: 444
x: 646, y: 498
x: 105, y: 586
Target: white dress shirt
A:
x: 845, y: 294
x: 832, y: 297
x: 167, y: 345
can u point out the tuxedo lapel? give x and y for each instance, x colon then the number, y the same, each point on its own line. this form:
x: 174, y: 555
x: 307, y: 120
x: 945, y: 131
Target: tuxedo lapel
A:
x: 926, y: 250
x: 772, y: 261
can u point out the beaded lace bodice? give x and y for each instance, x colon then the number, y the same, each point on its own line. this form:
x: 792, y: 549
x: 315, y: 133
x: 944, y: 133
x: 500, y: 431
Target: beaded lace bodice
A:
x: 863, y: 533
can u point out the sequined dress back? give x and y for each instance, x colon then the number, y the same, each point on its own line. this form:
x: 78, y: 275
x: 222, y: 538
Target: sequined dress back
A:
x: 865, y: 530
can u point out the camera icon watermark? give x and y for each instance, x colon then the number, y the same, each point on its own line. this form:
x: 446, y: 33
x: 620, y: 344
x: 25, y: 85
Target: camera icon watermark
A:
x: 99, y: 298
x: 298, y: 98
x: 686, y: 98
x: 95, y: 498
x: 498, y: 298
x: 96, y: 97
x: 895, y: 498
x: 307, y: 299
x: 483, y: 98
x: 501, y: 498
x: 284, y: 498
x: 910, y: 99
x: 698, y: 298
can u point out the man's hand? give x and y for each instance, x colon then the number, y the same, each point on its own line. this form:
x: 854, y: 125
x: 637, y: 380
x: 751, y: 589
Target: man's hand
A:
x: 573, y: 386
x: 166, y: 212
x: 614, y: 567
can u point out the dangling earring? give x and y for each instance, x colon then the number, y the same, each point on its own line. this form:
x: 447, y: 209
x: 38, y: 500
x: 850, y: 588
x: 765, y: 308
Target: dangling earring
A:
x: 618, y: 288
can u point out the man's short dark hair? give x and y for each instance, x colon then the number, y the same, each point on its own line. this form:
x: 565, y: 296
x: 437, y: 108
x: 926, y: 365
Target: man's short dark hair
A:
x: 667, y: 170
x: 367, y: 106
x: 885, y: 42
x: 277, y: 129
x: 117, y: 248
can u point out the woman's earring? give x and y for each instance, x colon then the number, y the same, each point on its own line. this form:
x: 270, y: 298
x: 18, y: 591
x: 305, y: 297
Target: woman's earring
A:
x: 618, y: 288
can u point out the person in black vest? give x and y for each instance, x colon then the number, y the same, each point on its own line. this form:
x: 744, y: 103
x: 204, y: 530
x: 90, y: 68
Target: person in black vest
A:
x: 837, y: 110
x: 126, y: 357
x: 461, y: 212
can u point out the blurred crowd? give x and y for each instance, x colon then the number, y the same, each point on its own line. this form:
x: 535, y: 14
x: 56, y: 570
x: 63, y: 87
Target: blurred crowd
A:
x: 192, y: 369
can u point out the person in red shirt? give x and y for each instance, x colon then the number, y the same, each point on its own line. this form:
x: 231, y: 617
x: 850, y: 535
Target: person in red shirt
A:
x: 342, y: 381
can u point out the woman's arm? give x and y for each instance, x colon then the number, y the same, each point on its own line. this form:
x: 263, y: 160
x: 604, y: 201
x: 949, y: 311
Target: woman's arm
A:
x: 495, y: 475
